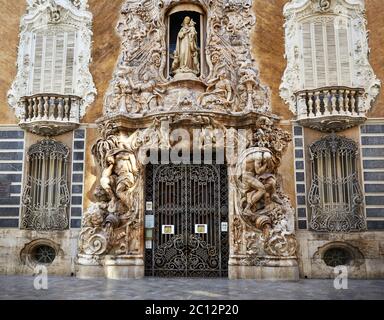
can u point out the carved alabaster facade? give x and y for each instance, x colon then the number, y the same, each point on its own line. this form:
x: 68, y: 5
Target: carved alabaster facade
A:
x: 53, y: 87
x: 145, y: 106
x: 328, y: 40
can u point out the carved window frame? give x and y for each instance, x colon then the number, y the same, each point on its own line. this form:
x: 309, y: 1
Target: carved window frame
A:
x: 51, y: 18
x: 188, y: 7
x: 46, y: 196
x: 335, y: 197
x: 363, y: 75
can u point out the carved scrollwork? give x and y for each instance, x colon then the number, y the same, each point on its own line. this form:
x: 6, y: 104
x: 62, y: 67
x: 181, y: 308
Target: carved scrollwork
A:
x: 324, y: 5
x: 111, y: 224
x: 96, y: 243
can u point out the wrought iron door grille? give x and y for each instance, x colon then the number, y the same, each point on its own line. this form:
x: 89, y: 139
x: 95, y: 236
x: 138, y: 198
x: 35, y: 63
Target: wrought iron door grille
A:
x: 183, y: 197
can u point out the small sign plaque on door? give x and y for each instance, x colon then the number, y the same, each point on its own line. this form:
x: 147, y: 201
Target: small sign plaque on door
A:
x: 148, y: 244
x: 149, y: 221
x: 168, y: 229
x: 149, y: 206
x: 201, y: 228
x: 224, y: 227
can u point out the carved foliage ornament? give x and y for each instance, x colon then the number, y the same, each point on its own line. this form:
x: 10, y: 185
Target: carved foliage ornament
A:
x: 60, y: 17
x: 351, y: 11
x: 141, y: 84
x: 37, y: 4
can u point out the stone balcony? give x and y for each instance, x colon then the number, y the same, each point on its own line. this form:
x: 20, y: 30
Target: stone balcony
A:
x: 331, y: 109
x: 50, y: 114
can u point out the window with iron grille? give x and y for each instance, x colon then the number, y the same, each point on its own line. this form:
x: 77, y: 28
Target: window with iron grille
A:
x: 335, y: 197
x: 46, y: 195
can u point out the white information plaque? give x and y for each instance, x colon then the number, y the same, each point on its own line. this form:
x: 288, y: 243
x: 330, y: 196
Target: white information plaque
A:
x: 149, y: 206
x: 148, y: 244
x: 224, y: 227
x: 149, y: 221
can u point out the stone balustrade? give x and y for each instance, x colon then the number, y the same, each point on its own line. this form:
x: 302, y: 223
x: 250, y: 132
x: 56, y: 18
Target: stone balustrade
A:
x: 50, y: 114
x: 330, y: 108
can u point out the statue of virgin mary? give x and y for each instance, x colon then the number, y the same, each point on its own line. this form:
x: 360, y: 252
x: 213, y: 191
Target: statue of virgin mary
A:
x: 186, y: 58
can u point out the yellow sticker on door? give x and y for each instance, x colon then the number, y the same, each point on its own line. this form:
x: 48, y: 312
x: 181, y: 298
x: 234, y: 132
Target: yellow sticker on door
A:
x: 201, y: 228
x: 168, y: 229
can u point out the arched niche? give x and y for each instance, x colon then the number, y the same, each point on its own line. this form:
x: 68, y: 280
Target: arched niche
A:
x: 174, y: 21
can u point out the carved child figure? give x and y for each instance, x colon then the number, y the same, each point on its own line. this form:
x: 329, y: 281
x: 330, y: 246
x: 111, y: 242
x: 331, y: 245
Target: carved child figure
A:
x: 219, y: 91
x: 146, y: 94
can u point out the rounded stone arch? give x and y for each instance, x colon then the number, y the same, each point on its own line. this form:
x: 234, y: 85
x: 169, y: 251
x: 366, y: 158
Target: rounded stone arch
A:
x: 355, y: 256
x: 27, y: 254
x: 173, y: 18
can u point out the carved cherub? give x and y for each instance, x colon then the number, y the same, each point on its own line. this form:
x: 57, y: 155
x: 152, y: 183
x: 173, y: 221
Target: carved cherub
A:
x: 219, y: 91
x: 147, y: 94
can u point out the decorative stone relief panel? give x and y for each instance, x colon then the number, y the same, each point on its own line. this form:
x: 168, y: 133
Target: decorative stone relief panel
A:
x: 262, y: 227
x: 217, y: 101
x: 53, y: 60
x: 345, y: 24
x: 140, y: 86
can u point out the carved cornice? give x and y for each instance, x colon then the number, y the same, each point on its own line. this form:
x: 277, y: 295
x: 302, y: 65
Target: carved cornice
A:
x: 124, y: 121
x: 297, y: 6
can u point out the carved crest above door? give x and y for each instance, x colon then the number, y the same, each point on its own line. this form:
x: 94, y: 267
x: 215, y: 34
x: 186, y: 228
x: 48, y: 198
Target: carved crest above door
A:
x: 186, y: 56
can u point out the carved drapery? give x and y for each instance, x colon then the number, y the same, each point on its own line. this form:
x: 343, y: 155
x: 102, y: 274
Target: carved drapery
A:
x: 335, y: 197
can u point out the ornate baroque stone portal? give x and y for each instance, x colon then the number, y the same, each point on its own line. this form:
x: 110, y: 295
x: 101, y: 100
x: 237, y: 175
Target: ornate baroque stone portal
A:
x: 224, y: 109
